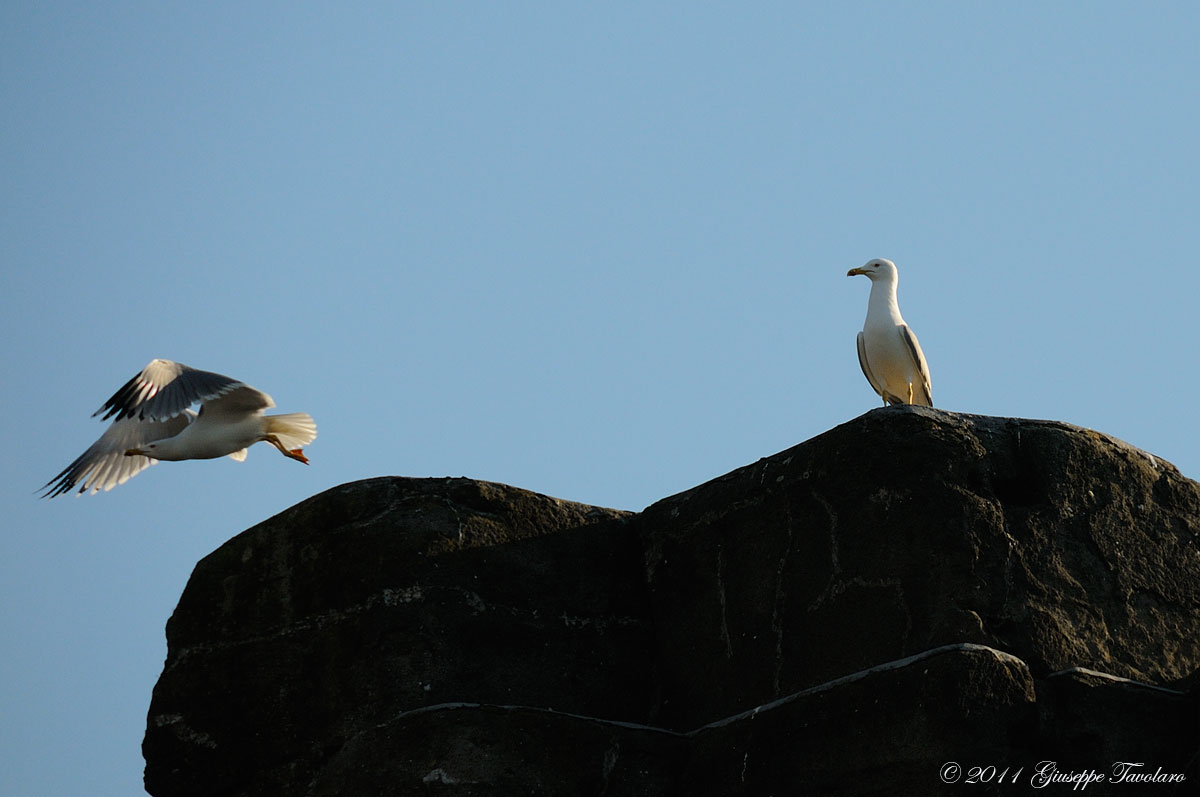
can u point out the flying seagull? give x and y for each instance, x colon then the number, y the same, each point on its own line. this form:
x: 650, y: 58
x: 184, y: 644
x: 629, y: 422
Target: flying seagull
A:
x: 888, y: 351
x: 153, y: 422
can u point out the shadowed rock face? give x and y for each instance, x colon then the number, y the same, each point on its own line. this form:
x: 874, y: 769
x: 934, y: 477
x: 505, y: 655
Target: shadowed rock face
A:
x: 386, y: 595
x: 912, y: 587
x: 911, y: 528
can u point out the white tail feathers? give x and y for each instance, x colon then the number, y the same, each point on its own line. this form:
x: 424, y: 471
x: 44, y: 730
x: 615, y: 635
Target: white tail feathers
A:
x: 294, y: 429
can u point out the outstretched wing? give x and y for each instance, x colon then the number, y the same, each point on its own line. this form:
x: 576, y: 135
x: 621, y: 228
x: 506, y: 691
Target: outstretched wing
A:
x: 104, y: 465
x: 922, y: 393
x: 163, y: 390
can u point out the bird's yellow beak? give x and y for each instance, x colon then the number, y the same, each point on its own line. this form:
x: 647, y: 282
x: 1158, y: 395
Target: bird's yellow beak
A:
x: 854, y: 271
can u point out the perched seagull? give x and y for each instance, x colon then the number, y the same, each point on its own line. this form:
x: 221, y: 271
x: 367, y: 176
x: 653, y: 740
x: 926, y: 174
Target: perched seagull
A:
x: 153, y: 422
x: 888, y: 351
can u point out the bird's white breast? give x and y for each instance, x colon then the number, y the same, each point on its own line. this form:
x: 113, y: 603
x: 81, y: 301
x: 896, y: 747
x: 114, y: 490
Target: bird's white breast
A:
x: 888, y: 357
x: 204, y: 439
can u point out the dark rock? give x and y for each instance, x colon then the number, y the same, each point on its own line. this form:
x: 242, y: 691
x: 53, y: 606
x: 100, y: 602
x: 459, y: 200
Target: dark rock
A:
x: 491, y: 751
x: 884, y: 731
x: 910, y: 528
x: 892, y: 726
x: 384, y: 596
x: 1088, y: 717
x: 911, y: 588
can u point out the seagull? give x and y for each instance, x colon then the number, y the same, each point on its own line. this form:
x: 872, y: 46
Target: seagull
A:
x: 888, y: 351
x: 153, y: 422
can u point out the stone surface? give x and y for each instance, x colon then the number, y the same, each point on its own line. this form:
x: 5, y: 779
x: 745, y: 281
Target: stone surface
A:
x: 892, y: 727
x: 912, y: 587
x: 884, y: 731
x: 1088, y: 717
x: 502, y: 750
x: 910, y: 528
x: 387, y: 595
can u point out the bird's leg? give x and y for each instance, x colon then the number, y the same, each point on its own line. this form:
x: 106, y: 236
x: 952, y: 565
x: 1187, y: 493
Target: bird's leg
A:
x: 295, y: 453
x: 910, y: 392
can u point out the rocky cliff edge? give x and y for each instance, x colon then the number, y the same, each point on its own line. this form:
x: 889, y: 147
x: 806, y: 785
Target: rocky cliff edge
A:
x: 910, y: 590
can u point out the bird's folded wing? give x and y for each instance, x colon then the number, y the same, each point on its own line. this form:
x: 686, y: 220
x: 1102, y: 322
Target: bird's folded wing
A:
x: 239, y: 401
x: 866, y: 369
x: 163, y: 390
x: 922, y: 367
x: 104, y: 465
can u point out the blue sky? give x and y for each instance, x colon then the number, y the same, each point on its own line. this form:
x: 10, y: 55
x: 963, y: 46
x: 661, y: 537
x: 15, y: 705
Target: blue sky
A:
x: 594, y: 251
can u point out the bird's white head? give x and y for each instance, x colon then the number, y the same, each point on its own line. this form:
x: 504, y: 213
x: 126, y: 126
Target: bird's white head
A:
x: 877, y: 269
x: 165, y: 449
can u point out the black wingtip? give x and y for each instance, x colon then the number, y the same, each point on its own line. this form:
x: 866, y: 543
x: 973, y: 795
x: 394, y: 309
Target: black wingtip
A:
x: 120, y: 403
